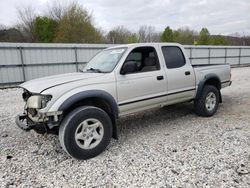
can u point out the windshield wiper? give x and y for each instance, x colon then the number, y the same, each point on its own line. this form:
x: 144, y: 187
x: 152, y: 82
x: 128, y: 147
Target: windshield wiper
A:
x: 95, y: 70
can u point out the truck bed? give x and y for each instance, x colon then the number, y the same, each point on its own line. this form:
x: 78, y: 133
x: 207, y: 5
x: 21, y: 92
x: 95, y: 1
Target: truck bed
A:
x: 221, y: 70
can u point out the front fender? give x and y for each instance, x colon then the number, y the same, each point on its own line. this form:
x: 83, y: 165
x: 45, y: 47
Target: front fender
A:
x: 91, y: 94
x: 100, y: 94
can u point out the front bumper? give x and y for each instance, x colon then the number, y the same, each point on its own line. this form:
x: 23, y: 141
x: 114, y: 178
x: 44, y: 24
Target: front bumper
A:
x: 22, y: 122
x: 27, y: 124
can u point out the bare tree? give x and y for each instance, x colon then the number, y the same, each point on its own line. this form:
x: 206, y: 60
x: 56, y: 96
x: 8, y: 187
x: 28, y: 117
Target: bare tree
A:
x: 148, y: 34
x: 11, y: 35
x: 2, y: 27
x: 119, y: 35
x: 56, y: 10
x: 27, y: 17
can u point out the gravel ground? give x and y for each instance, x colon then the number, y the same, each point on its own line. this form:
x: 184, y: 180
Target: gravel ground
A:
x: 168, y: 147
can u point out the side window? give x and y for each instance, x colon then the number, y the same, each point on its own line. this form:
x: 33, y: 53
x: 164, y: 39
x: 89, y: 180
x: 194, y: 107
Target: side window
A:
x: 173, y: 56
x: 135, y: 56
x: 145, y: 58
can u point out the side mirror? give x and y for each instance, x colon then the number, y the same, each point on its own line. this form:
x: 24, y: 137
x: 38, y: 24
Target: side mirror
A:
x: 129, y: 67
x: 81, y: 67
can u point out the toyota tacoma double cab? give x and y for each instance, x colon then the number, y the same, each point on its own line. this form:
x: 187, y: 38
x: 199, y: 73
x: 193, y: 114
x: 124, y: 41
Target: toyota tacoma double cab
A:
x: 82, y: 107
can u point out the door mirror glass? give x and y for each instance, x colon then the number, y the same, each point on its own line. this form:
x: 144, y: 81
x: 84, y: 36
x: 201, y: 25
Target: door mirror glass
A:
x: 129, y: 67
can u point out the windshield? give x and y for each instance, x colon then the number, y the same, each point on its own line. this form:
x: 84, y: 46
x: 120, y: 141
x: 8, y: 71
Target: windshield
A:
x: 105, y: 61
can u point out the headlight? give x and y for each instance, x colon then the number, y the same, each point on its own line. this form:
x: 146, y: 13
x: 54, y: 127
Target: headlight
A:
x: 26, y: 94
x: 38, y: 101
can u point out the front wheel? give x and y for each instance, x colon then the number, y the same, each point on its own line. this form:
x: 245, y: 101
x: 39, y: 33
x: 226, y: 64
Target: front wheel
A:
x: 85, y: 132
x: 208, y: 103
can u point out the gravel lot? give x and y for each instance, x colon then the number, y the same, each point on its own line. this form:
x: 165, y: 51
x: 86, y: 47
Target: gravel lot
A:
x: 159, y: 148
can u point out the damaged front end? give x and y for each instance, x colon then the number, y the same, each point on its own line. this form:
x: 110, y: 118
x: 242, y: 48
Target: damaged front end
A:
x: 33, y: 118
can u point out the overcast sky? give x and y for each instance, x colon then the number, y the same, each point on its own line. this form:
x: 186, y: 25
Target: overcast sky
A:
x: 219, y: 16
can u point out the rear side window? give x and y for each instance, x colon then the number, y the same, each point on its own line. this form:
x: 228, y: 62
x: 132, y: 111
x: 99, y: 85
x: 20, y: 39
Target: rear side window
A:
x: 173, y: 56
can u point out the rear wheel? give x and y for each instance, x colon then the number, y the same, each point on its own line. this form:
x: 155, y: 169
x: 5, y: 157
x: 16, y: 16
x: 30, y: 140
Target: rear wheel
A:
x: 85, y: 132
x: 208, y: 103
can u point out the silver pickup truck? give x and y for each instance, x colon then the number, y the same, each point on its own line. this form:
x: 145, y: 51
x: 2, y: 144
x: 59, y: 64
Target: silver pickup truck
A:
x: 82, y: 107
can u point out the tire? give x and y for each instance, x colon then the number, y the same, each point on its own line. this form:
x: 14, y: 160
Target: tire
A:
x: 201, y: 105
x: 85, y: 132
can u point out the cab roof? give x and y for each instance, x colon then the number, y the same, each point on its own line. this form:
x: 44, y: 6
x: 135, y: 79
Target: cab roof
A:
x: 144, y: 44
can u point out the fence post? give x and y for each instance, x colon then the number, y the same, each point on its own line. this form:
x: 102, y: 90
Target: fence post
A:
x: 190, y: 56
x: 209, y: 55
x: 22, y: 62
x: 239, y: 55
x: 225, y: 55
x: 76, y: 59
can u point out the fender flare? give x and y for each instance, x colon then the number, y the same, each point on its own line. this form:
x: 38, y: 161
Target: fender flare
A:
x: 94, y: 94
x: 204, y: 81
x: 91, y: 94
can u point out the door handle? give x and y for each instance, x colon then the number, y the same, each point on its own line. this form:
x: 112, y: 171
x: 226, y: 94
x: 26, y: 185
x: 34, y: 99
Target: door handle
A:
x: 160, y: 77
x: 187, y: 73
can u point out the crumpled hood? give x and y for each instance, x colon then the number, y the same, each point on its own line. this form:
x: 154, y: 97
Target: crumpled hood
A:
x: 41, y: 84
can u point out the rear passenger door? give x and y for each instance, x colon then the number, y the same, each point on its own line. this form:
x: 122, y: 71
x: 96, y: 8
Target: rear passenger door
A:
x: 180, y: 75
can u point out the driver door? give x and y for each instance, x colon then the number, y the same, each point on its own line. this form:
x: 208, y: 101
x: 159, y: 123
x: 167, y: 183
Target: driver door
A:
x: 144, y: 88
